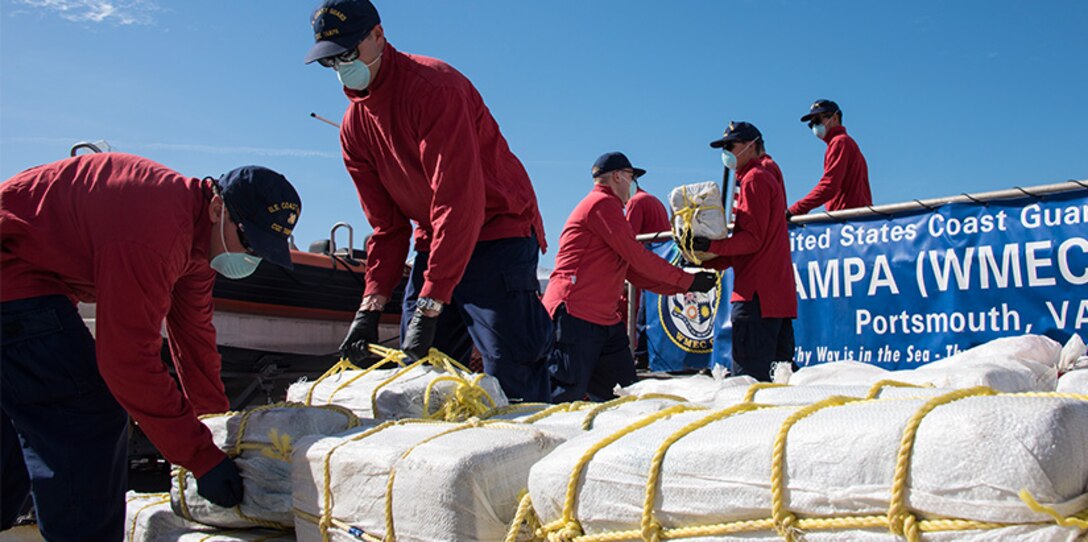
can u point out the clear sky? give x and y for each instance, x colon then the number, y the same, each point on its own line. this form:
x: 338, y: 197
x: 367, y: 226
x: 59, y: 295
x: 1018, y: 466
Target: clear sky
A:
x: 943, y: 97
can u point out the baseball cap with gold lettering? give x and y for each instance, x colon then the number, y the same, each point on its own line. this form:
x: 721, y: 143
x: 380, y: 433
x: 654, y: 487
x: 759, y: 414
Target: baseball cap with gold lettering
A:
x: 339, y: 25
x: 266, y: 207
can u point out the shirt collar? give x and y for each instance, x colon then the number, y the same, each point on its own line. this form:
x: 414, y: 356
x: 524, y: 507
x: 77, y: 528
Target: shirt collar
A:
x: 385, y: 73
x: 834, y: 132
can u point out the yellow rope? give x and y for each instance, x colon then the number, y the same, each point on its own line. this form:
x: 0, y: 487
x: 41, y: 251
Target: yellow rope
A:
x: 596, y: 410
x: 573, y: 406
x: 875, y: 389
x: 750, y: 395
x: 567, y: 527
x: 339, y: 367
x: 651, y: 528
x: 523, y: 517
x: 515, y: 408
x: 162, y: 498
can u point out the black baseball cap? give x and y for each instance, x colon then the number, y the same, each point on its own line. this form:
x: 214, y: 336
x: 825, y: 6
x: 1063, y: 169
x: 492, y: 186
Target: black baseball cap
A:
x: 614, y: 161
x: 737, y: 131
x: 339, y: 25
x: 819, y: 107
x: 267, y: 207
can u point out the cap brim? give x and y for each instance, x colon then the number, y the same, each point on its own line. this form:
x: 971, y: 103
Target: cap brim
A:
x: 808, y: 116
x: 719, y: 143
x: 639, y: 172
x: 327, y: 48
x: 269, y: 246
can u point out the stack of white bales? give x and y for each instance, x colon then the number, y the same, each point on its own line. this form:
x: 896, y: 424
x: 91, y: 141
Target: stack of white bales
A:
x: 765, y: 473
x: 701, y: 389
x: 1011, y: 364
x: 148, y: 518
x: 415, y: 480
x: 420, y: 390
x: 260, y: 441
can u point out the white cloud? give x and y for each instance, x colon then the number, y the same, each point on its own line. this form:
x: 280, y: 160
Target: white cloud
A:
x: 123, y: 12
x: 132, y: 146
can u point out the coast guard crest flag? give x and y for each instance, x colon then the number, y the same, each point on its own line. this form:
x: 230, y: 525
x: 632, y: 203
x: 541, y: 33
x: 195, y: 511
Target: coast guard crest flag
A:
x: 683, y: 330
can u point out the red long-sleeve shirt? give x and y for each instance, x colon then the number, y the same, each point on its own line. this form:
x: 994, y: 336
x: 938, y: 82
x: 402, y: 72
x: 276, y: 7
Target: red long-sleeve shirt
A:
x: 132, y: 236
x: 759, y: 249
x: 845, y: 184
x: 421, y: 146
x: 597, y: 250
x: 647, y: 214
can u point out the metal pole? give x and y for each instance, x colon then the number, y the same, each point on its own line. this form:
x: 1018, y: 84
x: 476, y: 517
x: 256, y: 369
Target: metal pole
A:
x: 323, y: 119
x: 895, y: 208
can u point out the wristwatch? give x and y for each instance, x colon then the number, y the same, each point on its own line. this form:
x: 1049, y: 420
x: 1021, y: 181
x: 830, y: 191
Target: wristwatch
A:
x: 426, y: 304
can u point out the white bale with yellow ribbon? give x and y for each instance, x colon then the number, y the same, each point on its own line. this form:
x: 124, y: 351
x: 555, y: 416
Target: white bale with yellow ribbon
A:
x: 697, y: 211
x: 700, y: 389
x: 260, y: 441
x: 967, y: 465
x: 766, y: 393
x: 1074, y: 382
x: 415, y: 480
x: 149, y: 518
x: 434, y: 387
x: 1022, y: 363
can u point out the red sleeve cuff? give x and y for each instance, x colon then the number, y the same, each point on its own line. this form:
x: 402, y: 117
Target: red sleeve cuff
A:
x: 440, y: 292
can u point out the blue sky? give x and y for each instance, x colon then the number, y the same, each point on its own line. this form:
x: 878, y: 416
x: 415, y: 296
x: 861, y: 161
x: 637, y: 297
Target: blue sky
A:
x: 943, y: 97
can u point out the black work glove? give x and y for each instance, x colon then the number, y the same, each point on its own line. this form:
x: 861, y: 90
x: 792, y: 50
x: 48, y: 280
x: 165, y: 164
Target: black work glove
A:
x: 701, y: 244
x: 789, y: 215
x: 420, y: 336
x: 222, y: 485
x: 704, y: 281
x: 363, y: 331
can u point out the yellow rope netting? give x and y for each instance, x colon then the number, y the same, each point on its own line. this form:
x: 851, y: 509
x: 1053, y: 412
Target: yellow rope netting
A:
x: 899, y: 519
x: 683, y: 232
x: 878, y: 387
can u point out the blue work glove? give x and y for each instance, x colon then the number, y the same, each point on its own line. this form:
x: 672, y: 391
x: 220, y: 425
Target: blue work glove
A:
x: 363, y: 331
x: 700, y: 244
x: 704, y: 281
x: 222, y: 485
x: 420, y: 336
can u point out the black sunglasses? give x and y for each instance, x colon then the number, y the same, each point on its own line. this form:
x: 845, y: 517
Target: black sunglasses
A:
x: 818, y: 120
x: 343, y: 58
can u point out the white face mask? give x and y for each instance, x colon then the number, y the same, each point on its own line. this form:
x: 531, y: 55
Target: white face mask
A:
x: 356, y: 74
x: 730, y: 160
x: 233, y: 265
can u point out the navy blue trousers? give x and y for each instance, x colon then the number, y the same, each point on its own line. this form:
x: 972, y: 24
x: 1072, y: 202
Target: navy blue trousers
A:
x: 496, y: 306
x: 589, y: 359
x: 759, y: 341
x: 72, y: 442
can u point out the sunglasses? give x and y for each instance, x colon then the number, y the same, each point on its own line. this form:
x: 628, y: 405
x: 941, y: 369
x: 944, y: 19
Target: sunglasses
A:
x: 817, y: 120
x: 343, y: 58
x: 242, y: 234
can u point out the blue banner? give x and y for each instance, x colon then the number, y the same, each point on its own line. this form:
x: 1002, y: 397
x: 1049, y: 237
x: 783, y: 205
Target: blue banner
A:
x: 911, y: 289
x: 903, y: 291
x: 683, y: 331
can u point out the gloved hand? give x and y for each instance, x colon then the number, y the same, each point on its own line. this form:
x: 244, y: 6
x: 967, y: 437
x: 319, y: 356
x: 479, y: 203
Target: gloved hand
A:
x: 704, y: 281
x: 701, y: 244
x: 789, y: 215
x: 420, y: 336
x: 363, y: 331
x: 222, y: 485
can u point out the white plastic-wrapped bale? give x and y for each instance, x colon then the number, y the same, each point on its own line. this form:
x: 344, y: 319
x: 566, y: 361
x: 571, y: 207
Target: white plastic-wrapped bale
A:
x: 777, y: 394
x: 149, y: 518
x: 397, y: 393
x: 572, y: 419
x: 881, y: 467
x: 415, y: 481
x: 1010, y: 364
x: 1074, y: 382
x: 260, y: 441
x: 697, y: 212
x: 700, y: 389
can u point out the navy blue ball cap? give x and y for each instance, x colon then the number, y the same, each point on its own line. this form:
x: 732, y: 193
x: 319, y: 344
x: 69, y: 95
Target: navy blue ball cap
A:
x: 819, y: 107
x: 339, y: 25
x: 614, y: 161
x: 737, y: 131
x: 267, y: 207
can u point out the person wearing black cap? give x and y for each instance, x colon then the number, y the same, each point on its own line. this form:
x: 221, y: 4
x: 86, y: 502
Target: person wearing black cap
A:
x: 646, y: 214
x: 144, y: 243
x: 764, y: 294
x: 597, y: 251
x: 421, y: 146
x: 845, y: 184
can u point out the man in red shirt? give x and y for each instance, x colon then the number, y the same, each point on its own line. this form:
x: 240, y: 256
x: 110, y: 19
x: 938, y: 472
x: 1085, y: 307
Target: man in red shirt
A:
x: 646, y: 214
x: 144, y: 243
x: 845, y: 184
x: 597, y: 250
x: 764, y: 295
x: 421, y: 146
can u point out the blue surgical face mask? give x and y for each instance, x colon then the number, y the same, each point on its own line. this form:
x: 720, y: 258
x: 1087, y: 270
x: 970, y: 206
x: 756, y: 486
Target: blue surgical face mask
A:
x: 729, y: 159
x: 233, y: 265
x: 355, y: 74
x: 820, y: 130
